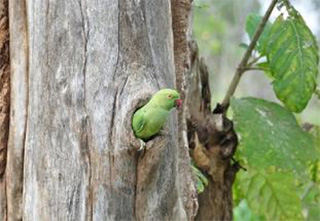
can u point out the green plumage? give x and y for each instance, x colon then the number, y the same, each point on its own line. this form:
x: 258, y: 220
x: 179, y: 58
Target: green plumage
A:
x: 149, y: 119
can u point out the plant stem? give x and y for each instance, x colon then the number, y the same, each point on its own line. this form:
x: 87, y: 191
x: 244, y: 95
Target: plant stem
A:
x: 254, y: 61
x: 243, y: 64
x: 255, y: 69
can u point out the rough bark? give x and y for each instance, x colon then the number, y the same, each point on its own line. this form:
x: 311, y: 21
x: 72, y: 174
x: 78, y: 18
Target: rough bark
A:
x: 18, y: 110
x: 4, y: 101
x: 213, y: 142
x: 181, y: 10
x: 79, y: 70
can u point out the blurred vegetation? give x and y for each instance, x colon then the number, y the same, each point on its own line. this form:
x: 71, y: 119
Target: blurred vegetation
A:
x: 219, y: 28
x: 285, y: 186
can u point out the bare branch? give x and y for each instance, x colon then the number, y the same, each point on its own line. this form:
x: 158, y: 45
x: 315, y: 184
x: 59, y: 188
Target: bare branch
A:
x: 255, y: 69
x: 243, y: 64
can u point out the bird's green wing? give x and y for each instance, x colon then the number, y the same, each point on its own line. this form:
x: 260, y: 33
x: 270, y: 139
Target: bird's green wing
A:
x: 138, y: 121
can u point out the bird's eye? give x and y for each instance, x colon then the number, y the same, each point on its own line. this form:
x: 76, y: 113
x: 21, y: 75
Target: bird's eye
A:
x: 169, y: 96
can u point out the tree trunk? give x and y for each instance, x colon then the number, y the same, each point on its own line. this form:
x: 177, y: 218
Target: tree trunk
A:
x: 181, y: 10
x: 79, y: 71
x: 4, y: 101
x: 212, y: 141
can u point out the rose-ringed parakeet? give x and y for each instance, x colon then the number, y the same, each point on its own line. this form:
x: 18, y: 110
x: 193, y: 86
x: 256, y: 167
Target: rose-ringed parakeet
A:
x: 149, y: 119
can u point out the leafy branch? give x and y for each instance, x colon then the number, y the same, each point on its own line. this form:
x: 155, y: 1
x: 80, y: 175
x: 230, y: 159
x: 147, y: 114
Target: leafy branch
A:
x: 243, y: 66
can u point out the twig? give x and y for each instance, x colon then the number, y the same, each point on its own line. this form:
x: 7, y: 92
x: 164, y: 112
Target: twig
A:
x: 243, y: 64
x: 255, y: 69
x: 237, y: 165
x: 254, y: 61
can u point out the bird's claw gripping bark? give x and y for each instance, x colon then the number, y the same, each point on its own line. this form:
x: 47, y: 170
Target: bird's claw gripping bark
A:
x: 142, y: 145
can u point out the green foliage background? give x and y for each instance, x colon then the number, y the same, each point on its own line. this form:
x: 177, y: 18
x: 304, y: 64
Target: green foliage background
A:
x: 279, y: 149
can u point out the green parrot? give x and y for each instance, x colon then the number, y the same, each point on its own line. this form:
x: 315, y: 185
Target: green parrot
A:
x: 149, y: 119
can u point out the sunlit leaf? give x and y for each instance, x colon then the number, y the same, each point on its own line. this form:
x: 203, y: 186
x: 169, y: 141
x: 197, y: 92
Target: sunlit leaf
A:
x: 243, y: 213
x: 293, y: 58
x: 272, y: 194
x: 270, y: 136
x: 315, y: 167
x: 311, y: 201
x: 253, y: 21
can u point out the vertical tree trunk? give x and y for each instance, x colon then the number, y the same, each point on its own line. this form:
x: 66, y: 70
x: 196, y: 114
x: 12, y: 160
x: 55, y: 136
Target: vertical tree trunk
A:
x: 18, y: 107
x: 4, y: 101
x: 210, y: 135
x: 181, y: 11
x: 213, y: 143
x: 79, y: 71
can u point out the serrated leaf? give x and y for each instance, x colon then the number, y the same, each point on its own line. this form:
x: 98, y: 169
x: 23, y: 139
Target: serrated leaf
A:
x: 271, y: 194
x: 269, y: 136
x: 292, y: 54
x: 253, y: 21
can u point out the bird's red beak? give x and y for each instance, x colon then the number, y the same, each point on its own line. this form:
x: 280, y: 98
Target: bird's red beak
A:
x: 178, y: 103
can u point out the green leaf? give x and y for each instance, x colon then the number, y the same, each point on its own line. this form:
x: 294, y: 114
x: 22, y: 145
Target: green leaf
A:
x: 199, y: 175
x: 315, y: 167
x: 202, y: 181
x: 269, y: 136
x: 272, y: 194
x: 311, y: 202
x: 253, y: 21
x: 237, y: 193
x: 293, y: 58
x: 200, y: 186
x: 265, y: 66
x: 243, y: 213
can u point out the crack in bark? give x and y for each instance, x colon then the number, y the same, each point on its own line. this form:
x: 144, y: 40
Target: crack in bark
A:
x: 86, y: 39
x: 119, y: 41
x: 87, y: 129
x: 135, y: 189
x: 25, y: 132
x: 124, y: 85
x: 111, y: 147
x: 86, y: 132
x: 47, y: 35
x: 114, y: 107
